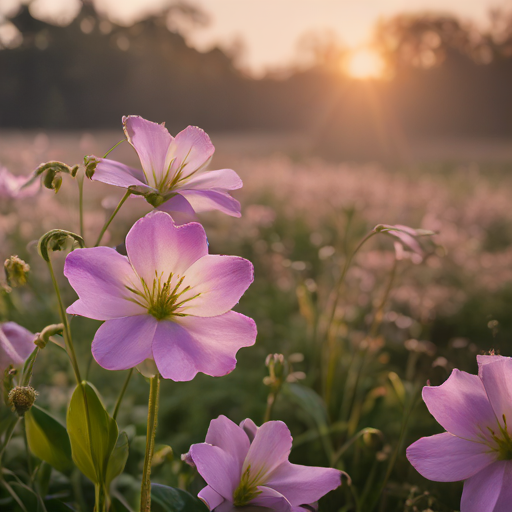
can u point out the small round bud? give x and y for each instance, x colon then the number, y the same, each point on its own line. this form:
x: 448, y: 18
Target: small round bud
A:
x: 22, y: 398
x: 16, y: 271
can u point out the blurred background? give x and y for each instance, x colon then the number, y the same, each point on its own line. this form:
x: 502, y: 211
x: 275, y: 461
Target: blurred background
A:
x: 338, y: 115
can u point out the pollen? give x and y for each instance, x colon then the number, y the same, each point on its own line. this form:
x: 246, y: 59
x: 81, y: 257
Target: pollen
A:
x: 164, y: 298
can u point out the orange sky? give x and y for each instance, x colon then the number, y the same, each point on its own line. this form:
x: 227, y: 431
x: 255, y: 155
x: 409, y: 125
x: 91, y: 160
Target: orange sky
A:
x: 270, y: 29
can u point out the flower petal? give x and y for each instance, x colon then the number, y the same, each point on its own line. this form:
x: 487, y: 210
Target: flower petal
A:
x: 489, y: 490
x: 118, y: 174
x: 227, y: 435
x: 447, y: 458
x: 270, y: 448
x: 485, y: 360
x: 190, y: 150
x: 271, y: 499
x: 250, y: 428
x: 100, y: 276
x: 155, y: 243
x: 190, y: 345
x: 461, y: 406
x: 220, y: 281
x: 222, y: 179
x: 124, y: 342
x: 16, y: 344
x: 151, y: 141
x: 179, y: 209
x: 207, y: 200
x: 303, y: 484
x: 212, y: 498
x: 497, y: 379
x: 217, y: 467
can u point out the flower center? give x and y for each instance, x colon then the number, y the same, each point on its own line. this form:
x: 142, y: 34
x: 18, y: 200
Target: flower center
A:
x: 504, y: 441
x: 172, y: 179
x: 164, y: 298
x: 246, y: 491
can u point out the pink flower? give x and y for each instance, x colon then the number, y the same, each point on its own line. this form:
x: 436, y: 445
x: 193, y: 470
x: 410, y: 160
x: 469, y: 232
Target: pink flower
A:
x: 168, y: 301
x: 246, y: 465
x: 16, y: 344
x: 173, y: 175
x: 10, y: 186
x: 476, y: 411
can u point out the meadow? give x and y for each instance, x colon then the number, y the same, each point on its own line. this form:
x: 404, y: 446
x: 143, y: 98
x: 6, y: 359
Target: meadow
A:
x: 358, y: 350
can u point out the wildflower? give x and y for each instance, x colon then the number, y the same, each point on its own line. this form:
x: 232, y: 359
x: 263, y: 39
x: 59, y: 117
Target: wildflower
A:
x: 16, y: 344
x: 168, y: 300
x: 246, y: 465
x: 173, y: 176
x: 476, y: 411
x: 11, y: 186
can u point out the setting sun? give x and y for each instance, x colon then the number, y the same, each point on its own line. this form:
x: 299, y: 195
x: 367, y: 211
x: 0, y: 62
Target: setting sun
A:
x: 364, y: 64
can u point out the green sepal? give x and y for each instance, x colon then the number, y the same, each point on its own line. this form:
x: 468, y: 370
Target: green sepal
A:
x: 93, y: 437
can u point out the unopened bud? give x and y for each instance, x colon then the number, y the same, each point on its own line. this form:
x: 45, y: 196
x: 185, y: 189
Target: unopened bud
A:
x: 16, y: 271
x: 43, y: 337
x: 22, y: 398
x: 90, y: 163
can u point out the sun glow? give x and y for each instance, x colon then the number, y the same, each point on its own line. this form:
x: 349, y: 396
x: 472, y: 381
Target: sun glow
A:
x: 365, y: 64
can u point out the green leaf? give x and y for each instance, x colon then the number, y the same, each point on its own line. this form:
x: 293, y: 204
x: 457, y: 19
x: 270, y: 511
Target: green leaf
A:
x: 118, y: 459
x: 92, y: 437
x: 169, y: 499
x: 48, y: 439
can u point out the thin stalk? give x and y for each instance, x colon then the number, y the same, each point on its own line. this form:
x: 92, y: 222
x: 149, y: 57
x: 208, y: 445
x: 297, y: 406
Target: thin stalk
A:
x: 339, y: 284
x: 80, y: 182
x: 70, y: 349
x: 121, y: 394
x: 154, y: 392
x: 271, y: 400
x: 114, y: 213
x: 29, y: 458
x: 392, y: 461
x: 100, y: 498
x: 8, y: 434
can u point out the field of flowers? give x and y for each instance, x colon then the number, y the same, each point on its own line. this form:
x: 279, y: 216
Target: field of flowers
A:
x: 348, y: 334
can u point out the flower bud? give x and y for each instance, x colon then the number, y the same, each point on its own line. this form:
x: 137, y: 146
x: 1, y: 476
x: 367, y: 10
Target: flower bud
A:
x: 22, y: 398
x: 16, y: 271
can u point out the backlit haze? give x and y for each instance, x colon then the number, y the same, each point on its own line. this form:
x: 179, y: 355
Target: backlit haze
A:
x: 268, y: 31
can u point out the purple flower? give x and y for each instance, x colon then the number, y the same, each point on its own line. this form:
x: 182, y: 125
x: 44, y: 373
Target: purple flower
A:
x: 16, y: 344
x: 173, y: 175
x: 476, y: 411
x: 11, y: 186
x: 168, y: 301
x: 246, y: 465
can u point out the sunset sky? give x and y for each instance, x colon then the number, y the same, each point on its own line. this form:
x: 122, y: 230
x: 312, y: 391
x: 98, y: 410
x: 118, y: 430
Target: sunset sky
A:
x: 270, y: 29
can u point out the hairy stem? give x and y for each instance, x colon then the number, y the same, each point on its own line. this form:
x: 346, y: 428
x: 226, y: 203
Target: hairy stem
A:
x: 154, y: 392
x: 114, y: 213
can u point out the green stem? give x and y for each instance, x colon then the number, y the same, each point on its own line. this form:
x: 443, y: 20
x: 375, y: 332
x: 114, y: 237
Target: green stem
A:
x: 8, y: 434
x: 70, y: 349
x: 100, y: 498
x: 29, y: 458
x: 271, y: 400
x: 80, y: 181
x: 145, y: 497
x: 121, y: 394
x: 339, y: 284
x: 114, y: 213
